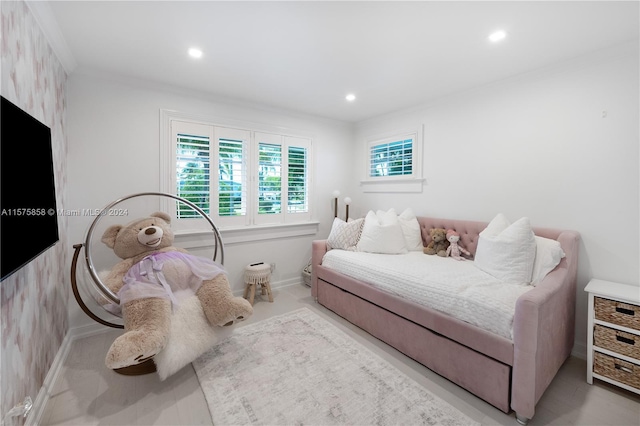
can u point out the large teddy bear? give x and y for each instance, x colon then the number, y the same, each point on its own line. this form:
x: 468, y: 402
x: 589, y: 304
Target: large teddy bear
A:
x: 151, y: 280
x: 438, y: 244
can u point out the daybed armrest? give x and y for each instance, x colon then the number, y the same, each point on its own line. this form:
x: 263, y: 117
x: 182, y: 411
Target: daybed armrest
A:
x: 543, y: 329
x: 318, y: 250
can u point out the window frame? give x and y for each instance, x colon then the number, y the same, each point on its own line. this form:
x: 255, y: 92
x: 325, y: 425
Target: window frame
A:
x: 299, y: 224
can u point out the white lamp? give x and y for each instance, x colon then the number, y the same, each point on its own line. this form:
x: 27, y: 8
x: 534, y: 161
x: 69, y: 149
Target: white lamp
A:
x: 347, y: 201
x: 336, y: 194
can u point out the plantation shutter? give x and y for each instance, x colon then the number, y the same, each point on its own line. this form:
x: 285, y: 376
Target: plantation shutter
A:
x: 269, y: 178
x: 297, y: 200
x: 298, y: 172
x: 192, y: 173
x: 238, y: 177
x: 391, y: 158
x: 269, y: 185
x: 232, y: 187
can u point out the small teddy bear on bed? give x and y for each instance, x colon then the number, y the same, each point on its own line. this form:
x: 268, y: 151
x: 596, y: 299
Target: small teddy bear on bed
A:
x: 438, y: 244
x: 454, y: 248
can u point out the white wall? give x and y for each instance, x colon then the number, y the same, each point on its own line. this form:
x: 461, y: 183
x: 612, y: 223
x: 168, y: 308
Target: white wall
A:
x: 537, y: 146
x: 113, y: 131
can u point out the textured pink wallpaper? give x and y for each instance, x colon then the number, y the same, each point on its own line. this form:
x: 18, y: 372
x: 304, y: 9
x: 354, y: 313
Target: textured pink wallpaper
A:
x: 33, y: 300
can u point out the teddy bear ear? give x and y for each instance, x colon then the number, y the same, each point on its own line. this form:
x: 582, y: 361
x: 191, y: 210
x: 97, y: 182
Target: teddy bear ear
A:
x: 109, y: 236
x: 162, y: 215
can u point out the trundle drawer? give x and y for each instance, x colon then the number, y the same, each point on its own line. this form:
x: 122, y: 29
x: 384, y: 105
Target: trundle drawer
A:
x: 617, y: 369
x: 617, y: 341
x: 483, y: 376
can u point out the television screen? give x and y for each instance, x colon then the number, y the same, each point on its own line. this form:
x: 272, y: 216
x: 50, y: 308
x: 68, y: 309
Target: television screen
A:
x: 28, y: 212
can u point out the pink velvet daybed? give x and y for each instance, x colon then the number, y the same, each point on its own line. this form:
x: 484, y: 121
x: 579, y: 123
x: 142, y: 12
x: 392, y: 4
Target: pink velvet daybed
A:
x: 509, y: 374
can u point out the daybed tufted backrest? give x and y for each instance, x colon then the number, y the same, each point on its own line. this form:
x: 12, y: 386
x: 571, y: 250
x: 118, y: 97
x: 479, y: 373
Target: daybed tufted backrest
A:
x: 469, y: 231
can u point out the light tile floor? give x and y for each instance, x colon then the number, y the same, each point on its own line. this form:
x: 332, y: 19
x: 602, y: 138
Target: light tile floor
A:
x: 87, y: 393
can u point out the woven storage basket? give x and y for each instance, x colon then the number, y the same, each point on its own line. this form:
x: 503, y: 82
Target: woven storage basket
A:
x: 306, y: 274
x: 617, y: 369
x: 617, y: 341
x: 618, y: 313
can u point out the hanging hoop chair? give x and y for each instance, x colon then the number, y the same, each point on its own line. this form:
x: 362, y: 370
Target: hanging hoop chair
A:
x: 97, y: 293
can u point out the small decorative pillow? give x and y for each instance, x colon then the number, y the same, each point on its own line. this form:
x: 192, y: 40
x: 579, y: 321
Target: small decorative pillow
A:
x: 382, y: 233
x: 549, y: 253
x: 507, y: 253
x: 411, y: 230
x: 345, y: 235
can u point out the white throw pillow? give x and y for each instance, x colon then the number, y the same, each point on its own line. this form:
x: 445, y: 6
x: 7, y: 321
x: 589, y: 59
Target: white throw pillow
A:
x: 549, y: 253
x: 382, y: 233
x: 345, y: 235
x: 507, y: 253
x: 497, y: 225
x: 411, y: 230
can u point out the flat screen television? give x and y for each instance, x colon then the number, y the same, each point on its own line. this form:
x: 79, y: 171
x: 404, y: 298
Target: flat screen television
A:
x: 28, y: 211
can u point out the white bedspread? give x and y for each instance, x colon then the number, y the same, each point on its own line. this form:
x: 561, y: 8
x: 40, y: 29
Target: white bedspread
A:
x: 457, y: 288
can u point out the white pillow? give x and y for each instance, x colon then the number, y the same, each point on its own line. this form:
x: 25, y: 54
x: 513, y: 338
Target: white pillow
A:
x: 382, y: 233
x: 548, y: 254
x: 497, y: 225
x: 411, y: 230
x: 507, y: 253
x: 345, y: 235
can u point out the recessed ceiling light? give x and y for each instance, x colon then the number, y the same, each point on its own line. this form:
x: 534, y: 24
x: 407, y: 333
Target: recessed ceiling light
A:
x: 195, y: 52
x: 497, y: 36
x: 350, y: 97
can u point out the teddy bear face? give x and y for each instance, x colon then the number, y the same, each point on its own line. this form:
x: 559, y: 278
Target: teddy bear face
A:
x: 140, y: 236
x: 438, y: 235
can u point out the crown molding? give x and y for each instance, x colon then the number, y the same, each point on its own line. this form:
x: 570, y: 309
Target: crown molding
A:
x: 43, y: 15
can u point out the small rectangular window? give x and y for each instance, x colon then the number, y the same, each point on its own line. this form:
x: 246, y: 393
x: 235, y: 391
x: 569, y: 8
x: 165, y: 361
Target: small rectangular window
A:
x: 391, y: 158
x: 393, y: 161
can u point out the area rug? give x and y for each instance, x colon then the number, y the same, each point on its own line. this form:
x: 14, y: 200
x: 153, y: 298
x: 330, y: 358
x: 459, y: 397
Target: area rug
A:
x: 298, y: 368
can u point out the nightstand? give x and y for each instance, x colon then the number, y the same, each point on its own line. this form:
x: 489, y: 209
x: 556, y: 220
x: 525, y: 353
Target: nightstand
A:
x: 613, y: 334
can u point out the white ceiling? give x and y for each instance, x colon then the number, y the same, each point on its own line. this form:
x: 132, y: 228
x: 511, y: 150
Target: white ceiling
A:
x: 306, y: 56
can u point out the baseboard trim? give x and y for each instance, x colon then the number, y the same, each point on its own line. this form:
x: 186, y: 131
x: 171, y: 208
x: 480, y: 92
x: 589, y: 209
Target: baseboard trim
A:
x: 34, y: 417
x: 579, y: 350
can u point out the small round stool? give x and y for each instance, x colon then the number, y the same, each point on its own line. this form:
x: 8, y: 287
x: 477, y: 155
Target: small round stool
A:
x: 254, y: 275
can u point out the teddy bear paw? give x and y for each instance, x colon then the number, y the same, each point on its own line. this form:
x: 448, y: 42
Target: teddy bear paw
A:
x: 237, y: 310
x: 132, y: 348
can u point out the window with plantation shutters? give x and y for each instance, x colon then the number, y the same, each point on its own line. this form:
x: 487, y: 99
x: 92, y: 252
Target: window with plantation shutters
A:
x: 239, y: 177
x: 393, y: 161
x: 391, y: 158
x: 283, y: 183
